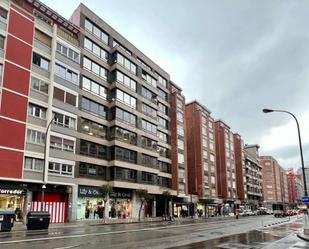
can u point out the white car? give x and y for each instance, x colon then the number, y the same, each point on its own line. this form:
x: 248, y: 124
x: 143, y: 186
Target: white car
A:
x: 269, y: 211
x: 249, y: 212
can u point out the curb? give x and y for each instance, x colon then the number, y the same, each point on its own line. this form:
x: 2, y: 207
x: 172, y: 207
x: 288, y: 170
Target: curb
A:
x: 303, y: 237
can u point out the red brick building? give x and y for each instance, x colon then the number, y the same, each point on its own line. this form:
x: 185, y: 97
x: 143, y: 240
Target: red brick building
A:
x: 240, y: 167
x: 225, y: 161
x: 201, y: 152
x: 275, y: 181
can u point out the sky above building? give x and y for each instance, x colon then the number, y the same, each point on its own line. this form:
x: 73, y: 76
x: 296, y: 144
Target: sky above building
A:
x: 235, y: 57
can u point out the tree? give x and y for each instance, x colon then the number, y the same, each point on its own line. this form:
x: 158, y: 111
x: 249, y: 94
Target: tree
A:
x: 167, y: 195
x: 105, y: 191
x: 142, y: 194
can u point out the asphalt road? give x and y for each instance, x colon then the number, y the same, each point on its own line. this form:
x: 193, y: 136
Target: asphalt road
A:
x: 247, y: 231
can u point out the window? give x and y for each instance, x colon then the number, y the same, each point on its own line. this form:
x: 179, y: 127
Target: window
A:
x: 163, y: 122
x: 122, y: 154
x: 93, y: 107
x: 40, y: 61
x: 180, y: 130
x: 149, y: 127
x: 67, y: 52
x: 181, y: 158
x: 126, y: 80
x: 92, y: 128
x: 162, y: 108
x: 35, y: 137
x: 149, y: 161
x: 179, y: 103
x: 63, y: 144
x: 2, y: 42
x: 124, y: 116
x: 92, y: 149
x: 163, y: 151
x: 92, y: 170
x: 126, y: 63
x: 179, y: 117
x: 148, y: 177
x: 148, y: 94
x: 33, y: 164
x: 146, y: 109
x: 39, y: 85
x: 66, y: 74
x: 123, y: 135
x: 64, y: 96
x: 162, y: 94
x: 162, y: 136
x: 95, y: 68
x: 36, y: 111
x: 212, y: 158
x: 180, y: 144
x: 116, y: 43
x: 149, y: 144
x: 94, y: 88
x: 162, y: 81
x: 89, y: 26
x: 3, y: 14
x: 64, y: 120
x: 164, y: 167
x: 149, y: 79
x: 60, y: 169
x: 95, y: 49
x: 125, y: 98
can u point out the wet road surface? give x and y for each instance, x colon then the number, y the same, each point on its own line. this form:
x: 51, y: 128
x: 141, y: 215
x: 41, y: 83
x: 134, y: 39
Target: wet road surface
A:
x: 189, y: 234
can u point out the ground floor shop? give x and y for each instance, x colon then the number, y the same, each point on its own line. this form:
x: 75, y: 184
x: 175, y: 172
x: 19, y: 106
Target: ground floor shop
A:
x: 24, y: 197
x: 92, y: 205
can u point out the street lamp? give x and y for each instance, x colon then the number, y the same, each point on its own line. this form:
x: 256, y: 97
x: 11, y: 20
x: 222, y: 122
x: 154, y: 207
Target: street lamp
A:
x: 300, y: 144
x: 44, y: 163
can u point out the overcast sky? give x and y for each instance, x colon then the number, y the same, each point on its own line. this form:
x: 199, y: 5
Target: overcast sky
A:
x: 236, y: 57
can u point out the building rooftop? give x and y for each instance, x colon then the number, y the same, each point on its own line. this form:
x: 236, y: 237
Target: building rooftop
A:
x: 199, y: 104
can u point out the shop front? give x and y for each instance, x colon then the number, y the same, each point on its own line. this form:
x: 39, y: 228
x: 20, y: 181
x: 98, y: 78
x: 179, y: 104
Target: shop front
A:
x: 92, y: 205
x: 120, y: 203
x: 181, y: 207
x: 14, y: 198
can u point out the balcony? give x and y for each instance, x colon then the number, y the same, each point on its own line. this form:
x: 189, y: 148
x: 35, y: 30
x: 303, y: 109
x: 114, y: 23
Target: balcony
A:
x: 3, y: 24
x: 41, y: 46
x: 44, y: 26
x: 1, y: 53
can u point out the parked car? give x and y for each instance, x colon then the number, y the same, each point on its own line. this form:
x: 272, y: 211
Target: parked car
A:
x: 269, y: 211
x: 249, y: 212
x: 262, y: 211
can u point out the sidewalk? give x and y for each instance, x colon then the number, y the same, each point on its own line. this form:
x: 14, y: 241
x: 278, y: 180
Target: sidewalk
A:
x: 82, y: 223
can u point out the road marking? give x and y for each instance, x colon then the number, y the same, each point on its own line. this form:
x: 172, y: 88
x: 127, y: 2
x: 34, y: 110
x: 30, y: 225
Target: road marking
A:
x: 97, y: 234
x: 67, y: 247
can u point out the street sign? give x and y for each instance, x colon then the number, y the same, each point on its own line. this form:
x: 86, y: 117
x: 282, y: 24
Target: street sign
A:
x: 305, y: 199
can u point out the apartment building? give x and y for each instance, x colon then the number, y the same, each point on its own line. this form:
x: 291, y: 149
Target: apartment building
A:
x: 111, y: 114
x: 40, y: 81
x: 179, y: 149
x: 292, y: 186
x: 285, y: 186
x: 240, y: 168
x: 275, y: 187
x: 201, y: 153
x: 225, y: 161
x: 253, y: 175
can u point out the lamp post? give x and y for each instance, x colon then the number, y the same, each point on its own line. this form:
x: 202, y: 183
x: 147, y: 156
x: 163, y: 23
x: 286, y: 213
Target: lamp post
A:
x: 44, y: 163
x: 300, y: 144
x: 306, y: 228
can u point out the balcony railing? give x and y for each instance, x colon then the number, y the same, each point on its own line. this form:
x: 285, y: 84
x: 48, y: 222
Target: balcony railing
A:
x: 1, y: 53
x: 3, y: 24
x: 42, y: 46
